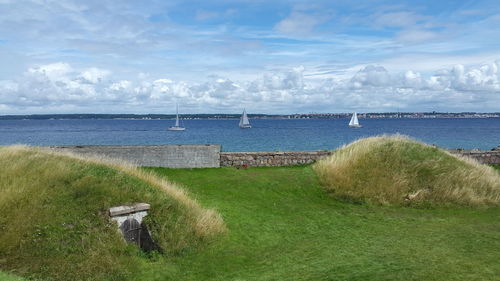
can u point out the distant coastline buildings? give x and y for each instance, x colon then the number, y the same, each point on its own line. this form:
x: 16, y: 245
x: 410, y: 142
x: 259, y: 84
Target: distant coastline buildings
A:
x: 255, y: 116
x: 401, y: 115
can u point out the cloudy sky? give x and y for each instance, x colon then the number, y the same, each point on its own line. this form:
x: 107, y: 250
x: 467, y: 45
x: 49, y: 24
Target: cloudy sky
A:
x: 107, y: 56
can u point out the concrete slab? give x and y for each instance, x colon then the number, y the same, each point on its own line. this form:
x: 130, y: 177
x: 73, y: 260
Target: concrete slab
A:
x: 124, y: 210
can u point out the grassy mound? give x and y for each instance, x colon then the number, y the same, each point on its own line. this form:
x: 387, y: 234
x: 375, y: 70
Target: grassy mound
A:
x: 398, y: 170
x: 54, y: 222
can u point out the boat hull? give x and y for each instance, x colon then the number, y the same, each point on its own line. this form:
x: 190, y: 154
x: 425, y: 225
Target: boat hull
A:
x: 176, y: 128
x: 245, y: 126
x: 355, y: 126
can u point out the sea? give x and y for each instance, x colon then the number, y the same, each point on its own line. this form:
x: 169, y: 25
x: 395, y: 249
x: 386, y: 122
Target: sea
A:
x: 265, y: 134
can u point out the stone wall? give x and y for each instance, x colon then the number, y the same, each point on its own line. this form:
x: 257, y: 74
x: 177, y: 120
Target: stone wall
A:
x: 270, y: 158
x: 169, y: 156
x: 485, y: 157
x: 253, y: 159
x: 209, y: 156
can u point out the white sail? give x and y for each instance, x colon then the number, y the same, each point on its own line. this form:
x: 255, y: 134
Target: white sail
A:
x: 354, y: 123
x: 244, y: 122
x: 177, y: 116
x: 177, y: 126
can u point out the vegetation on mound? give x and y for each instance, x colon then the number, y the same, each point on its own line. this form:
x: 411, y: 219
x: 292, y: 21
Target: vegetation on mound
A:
x: 8, y: 277
x: 398, y: 170
x: 54, y: 223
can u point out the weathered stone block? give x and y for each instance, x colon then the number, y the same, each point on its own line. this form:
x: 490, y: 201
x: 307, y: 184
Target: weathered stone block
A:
x: 124, y: 210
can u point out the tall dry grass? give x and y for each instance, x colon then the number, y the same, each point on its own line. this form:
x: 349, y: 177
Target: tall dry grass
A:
x: 207, y: 222
x: 54, y: 221
x: 398, y: 170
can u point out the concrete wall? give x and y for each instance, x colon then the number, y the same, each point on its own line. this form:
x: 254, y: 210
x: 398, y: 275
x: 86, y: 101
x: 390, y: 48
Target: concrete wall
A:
x: 170, y: 156
x: 270, y: 158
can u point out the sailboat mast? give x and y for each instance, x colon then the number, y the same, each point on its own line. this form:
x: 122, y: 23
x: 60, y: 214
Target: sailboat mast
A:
x: 177, y: 115
x: 177, y: 126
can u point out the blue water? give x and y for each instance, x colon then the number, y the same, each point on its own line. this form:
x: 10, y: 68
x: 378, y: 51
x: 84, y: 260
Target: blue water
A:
x: 266, y: 135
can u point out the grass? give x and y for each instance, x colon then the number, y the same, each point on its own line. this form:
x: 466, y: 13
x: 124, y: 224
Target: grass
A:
x: 496, y: 167
x: 8, y: 277
x: 284, y: 226
x: 54, y: 221
x: 398, y: 170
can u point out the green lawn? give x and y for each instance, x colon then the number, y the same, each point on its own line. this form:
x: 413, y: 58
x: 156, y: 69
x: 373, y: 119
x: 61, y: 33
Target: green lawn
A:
x: 284, y: 226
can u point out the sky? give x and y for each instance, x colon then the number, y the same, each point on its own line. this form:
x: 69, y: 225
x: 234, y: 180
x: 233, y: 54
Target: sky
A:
x: 274, y: 57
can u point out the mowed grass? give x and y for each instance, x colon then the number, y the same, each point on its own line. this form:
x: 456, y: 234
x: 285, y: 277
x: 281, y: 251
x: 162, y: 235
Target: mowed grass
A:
x: 282, y: 225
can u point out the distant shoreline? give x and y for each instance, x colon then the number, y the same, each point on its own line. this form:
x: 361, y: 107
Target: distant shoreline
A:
x: 388, y: 115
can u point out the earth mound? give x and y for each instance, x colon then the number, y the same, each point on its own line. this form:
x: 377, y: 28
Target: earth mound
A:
x: 54, y: 223
x: 396, y: 170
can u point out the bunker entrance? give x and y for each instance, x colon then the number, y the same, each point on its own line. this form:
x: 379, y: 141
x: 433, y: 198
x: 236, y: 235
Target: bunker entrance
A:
x: 130, y: 224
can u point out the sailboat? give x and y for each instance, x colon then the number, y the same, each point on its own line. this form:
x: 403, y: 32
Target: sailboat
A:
x: 354, y: 123
x: 244, y: 123
x: 177, y: 127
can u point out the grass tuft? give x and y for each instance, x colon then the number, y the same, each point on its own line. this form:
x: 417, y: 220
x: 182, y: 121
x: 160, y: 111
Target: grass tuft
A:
x: 397, y: 170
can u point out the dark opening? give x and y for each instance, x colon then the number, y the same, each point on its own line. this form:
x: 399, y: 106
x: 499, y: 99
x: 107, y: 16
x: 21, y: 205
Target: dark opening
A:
x: 137, y: 233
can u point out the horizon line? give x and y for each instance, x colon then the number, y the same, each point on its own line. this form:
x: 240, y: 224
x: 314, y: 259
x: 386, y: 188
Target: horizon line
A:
x: 269, y: 114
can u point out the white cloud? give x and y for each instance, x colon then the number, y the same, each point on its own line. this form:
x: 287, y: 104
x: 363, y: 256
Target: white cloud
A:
x: 95, y: 75
x: 375, y: 76
x: 7, y: 86
x: 62, y: 87
x: 122, y: 85
x: 292, y: 80
x: 55, y: 71
x: 412, y: 79
x: 410, y: 26
x: 300, y: 23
